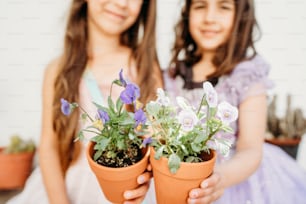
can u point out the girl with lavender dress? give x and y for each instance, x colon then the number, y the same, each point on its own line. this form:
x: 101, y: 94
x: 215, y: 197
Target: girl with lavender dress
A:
x: 214, y: 42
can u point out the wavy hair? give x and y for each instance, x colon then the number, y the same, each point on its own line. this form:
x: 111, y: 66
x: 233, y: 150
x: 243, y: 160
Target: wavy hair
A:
x: 73, y: 63
x: 241, y: 40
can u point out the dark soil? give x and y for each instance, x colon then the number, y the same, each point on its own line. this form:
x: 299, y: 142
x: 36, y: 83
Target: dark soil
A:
x: 205, y: 156
x: 123, y: 158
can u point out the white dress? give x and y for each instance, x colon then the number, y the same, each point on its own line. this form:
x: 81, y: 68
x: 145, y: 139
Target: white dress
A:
x: 81, y: 184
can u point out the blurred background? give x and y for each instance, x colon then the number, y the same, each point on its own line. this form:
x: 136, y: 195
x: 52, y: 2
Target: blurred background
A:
x: 31, y: 34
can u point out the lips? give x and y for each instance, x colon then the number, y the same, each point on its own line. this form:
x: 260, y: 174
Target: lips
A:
x: 209, y: 33
x: 115, y: 15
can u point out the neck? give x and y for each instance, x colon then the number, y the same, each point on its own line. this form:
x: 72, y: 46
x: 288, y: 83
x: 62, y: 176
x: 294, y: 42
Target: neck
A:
x: 208, y: 57
x: 101, y: 43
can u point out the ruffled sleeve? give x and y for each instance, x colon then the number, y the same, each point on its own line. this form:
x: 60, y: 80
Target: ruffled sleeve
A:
x: 249, y: 78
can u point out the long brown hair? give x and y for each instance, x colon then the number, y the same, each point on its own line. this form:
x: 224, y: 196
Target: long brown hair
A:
x: 229, y: 54
x: 73, y: 62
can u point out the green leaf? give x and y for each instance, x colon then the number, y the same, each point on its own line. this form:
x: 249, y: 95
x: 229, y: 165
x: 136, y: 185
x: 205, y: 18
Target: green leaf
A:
x: 84, y: 116
x: 128, y: 121
x: 131, y: 136
x: 80, y: 136
x: 117, y: 82
x: 100, y: 107
x: 153, y: 108
x: 200, y: 138
x: 111, y: 104
x: 74, y: 105
x: 159, y: 152
x: 120, y: 144
x: 103, y: 143
x: 213, y: 111
x: 119, y: 104
x: 174, y: 163
x: 97, y: 155
x: 184, y: 149
x: 195, y: 147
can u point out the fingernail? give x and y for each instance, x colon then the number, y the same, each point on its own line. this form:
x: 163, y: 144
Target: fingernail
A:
x: 127, y: 195
x: 140, y: 179
x: 194, y: 194
x: 204, y: 184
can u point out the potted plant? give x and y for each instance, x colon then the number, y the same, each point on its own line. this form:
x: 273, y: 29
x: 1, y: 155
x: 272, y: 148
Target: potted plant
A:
x: 185, y: 141
x: 16, y: 163
x: 117, y: 153
x: 287, y: 131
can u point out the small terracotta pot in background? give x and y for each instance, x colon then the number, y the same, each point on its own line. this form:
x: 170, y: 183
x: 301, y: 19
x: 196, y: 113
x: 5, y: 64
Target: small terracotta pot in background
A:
x: 15, y: 169
x: 174, y: 188
x: 114, y: 181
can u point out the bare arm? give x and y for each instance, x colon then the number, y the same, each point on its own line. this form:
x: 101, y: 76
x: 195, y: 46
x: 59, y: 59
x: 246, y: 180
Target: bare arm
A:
x: 252, y: 125
x: 48, y: 150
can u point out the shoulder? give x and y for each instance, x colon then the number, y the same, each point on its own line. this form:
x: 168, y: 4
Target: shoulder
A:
x: 50, y: 73
x: 172, y: 83
x: 257, y: 67
x: 249, y: 78
x: 52, y: 70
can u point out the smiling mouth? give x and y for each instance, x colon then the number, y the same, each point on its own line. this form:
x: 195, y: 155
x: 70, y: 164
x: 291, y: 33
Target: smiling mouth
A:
x: 115, y: 15
x: 209, y: 33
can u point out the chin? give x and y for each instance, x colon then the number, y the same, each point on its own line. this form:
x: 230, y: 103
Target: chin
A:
x: 209, y: 47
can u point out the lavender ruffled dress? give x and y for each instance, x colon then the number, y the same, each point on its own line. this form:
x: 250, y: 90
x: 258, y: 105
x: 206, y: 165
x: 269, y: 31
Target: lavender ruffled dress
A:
x: 279, y: 179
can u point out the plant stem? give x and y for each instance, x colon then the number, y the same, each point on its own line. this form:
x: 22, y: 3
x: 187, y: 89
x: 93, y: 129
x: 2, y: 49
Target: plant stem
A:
x: 200, y: 106
x: 91, y: 131
x: 90, y: 118
x: 212, y: 134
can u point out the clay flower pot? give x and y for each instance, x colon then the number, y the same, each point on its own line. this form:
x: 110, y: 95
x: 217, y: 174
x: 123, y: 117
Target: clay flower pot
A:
x: 15, y: 169
x: 114, y: 181
x: 174, y: 188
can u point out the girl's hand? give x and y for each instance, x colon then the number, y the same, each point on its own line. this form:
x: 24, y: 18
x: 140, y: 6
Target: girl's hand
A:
x: 137, y: 195
x: 210, y: 190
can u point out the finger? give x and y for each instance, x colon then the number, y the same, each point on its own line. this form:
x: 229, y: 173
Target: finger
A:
x: 200, y: 192
x: 211, y: 181
x: 149, y: 167
x: 138, y: 192
x: 135, y: 201
x: 209, y: 198
x: 144, y: 178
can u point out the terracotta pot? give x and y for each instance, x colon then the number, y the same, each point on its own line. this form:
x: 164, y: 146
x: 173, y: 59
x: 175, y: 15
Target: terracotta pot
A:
x: 174, y: 188
x: 114, y: 181
x: 15, y: 169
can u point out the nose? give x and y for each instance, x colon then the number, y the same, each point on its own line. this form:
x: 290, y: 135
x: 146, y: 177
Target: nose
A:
x: 122, y: 3
x: 210, y: 14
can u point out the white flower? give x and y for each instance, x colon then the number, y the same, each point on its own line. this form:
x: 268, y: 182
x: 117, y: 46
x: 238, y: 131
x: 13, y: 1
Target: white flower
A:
x: 183, y: 103
x: 162, y: 99
x: 210, y: 94
x: 227, y: 113
x: 188, y: 119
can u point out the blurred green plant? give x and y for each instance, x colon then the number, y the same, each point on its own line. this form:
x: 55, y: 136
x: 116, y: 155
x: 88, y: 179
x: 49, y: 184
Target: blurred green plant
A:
x: 19, y: 145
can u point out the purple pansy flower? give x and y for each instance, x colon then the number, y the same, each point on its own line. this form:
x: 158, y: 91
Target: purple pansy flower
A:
x: 146, y: 141
x: 103, y: 116
x: 130, y: 94
x: 122, y: 80
x: 65, y: 107
x: 140, y: 117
